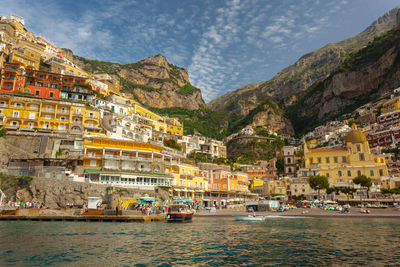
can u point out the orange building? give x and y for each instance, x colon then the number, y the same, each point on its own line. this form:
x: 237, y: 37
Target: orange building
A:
x: 229, y: 181
x: 43, y: 84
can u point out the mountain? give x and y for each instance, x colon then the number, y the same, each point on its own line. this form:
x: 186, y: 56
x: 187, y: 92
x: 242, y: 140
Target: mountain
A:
x: 366, y: 75
x: 153, y: 81
x: 308, y: 70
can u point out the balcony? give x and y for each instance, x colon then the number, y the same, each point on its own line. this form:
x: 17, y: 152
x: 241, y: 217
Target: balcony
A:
x: 76, y: 112
x: 48, y: 110
x: 93, y: 156
x: 63, y: 111
x: 187, y: 176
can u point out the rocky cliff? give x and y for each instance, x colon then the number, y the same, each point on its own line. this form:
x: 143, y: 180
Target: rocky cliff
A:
x: 308, y: 70
x: 366, y: 75
x: 153, y: 81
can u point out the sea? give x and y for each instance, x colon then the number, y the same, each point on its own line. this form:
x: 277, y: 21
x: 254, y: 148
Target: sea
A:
x: 214, y: 241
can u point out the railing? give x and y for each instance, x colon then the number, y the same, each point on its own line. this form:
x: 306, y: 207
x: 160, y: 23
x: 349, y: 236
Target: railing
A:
x: 187, y: 176
x: 63, y: 111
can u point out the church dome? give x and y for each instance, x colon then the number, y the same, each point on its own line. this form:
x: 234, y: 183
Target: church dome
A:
x: 355, y: 136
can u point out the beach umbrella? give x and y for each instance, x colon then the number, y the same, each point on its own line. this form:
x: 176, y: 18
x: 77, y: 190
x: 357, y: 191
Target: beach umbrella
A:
x: 189, y: 201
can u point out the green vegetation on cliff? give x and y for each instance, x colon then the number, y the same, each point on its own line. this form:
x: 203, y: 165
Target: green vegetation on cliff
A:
x: 356, y: 61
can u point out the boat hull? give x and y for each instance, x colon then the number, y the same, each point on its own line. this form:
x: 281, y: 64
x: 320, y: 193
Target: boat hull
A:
x: 179, y: 217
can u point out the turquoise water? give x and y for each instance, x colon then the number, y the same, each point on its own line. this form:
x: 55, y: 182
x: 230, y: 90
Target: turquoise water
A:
x: 205, y: 242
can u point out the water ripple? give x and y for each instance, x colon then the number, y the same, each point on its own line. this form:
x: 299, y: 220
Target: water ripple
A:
x: 205, y: 242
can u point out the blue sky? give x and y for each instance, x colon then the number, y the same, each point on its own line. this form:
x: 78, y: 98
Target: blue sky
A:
x: 223, y: 44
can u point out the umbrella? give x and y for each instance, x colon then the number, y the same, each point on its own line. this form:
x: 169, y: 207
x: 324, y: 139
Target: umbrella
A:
x: 189, y: 201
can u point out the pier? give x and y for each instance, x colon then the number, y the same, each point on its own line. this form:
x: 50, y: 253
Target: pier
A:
x: 99, y: 218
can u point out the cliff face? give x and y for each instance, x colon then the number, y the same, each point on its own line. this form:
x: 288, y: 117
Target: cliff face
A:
x: 364, y: 76
x: 153, y: 81
x: 308, y: 70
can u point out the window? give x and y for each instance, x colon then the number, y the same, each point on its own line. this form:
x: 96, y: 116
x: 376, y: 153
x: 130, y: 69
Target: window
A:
x: 327, y: 175
x: 319, y: 160
x: 362, y: 157
x: 349, y: 173
x: 26, y: 91
x: 358, y: 148
x: 371, y: 172
x: 51, y: 94
x: 327, y: 159
x: 47, y: 175
x: 381, y: 172
x: 225, y: 186
x: 340, y: 173
x: 335, y: 159
x: 53, y: 86
x: 344, y: 160
x: 16, y: 114
x: 358, y: 173
x: 311, y: 160
x: 37, y: 92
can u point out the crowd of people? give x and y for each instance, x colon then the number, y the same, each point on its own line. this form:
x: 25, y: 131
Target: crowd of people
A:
x: 23, y: 205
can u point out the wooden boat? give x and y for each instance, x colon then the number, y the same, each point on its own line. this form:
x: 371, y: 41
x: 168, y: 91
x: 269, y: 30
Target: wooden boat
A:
x: 179, y: 213
x: 250, y: 218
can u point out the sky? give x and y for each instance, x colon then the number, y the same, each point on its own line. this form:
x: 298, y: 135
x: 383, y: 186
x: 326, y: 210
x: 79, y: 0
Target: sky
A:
x: 224, y: 45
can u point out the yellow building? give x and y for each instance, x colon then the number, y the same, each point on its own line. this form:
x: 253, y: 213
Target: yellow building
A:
x: 125, y: 163
x: 27, y: 53
x: 391, y: 105
x: 188, y: 181
x: 343, y: 164
x: 32, y: 113
x: 147, y: 117
x: 275, y: 187
x: 254, y: 182
x: 174, y: 127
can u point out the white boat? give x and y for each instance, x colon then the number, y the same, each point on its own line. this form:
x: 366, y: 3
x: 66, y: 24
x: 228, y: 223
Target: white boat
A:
x: 250, y: 218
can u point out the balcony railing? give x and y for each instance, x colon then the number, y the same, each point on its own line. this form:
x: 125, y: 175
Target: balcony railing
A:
x: 187, y: 176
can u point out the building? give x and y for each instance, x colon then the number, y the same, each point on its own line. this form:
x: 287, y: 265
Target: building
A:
x: 289, y: 161
x: 125, y: 163
x: 189, y: 182
x: 300, y: 187
x: 112, y: 81
x: 44, y: 84
x: 391, y: 105
x: 228, y: 187
x: 342, y: 164
x: 25, y: 113
x: 27, y: 53
x: 50, y: 49
x: 385, y: 137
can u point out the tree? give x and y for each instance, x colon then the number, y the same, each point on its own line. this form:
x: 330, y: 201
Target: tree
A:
x: 330, y: 190
x: 318, y: 182
x: 363, y: 181
x: 280, y: 165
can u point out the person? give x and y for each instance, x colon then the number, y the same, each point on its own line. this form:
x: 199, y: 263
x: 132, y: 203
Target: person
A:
x: 116, y: 210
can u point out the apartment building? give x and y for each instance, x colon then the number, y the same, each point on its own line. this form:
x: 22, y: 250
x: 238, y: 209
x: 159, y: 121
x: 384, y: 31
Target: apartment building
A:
x: 125, y: 163
x: 33, y: 113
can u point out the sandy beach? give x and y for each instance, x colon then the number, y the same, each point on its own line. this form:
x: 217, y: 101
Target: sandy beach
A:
x: 313, y: 212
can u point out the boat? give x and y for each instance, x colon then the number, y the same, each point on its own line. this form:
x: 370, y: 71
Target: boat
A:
x: 179, y: 213
x: 250, y: 218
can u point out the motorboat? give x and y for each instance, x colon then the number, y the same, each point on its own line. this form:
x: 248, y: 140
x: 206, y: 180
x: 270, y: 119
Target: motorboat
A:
x: 250, y: 218
x: 179, y: 213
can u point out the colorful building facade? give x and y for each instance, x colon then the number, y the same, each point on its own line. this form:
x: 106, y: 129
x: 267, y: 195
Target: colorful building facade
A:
x: 33, y: 113
x: 341, y: 165
x: 125, y: 163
